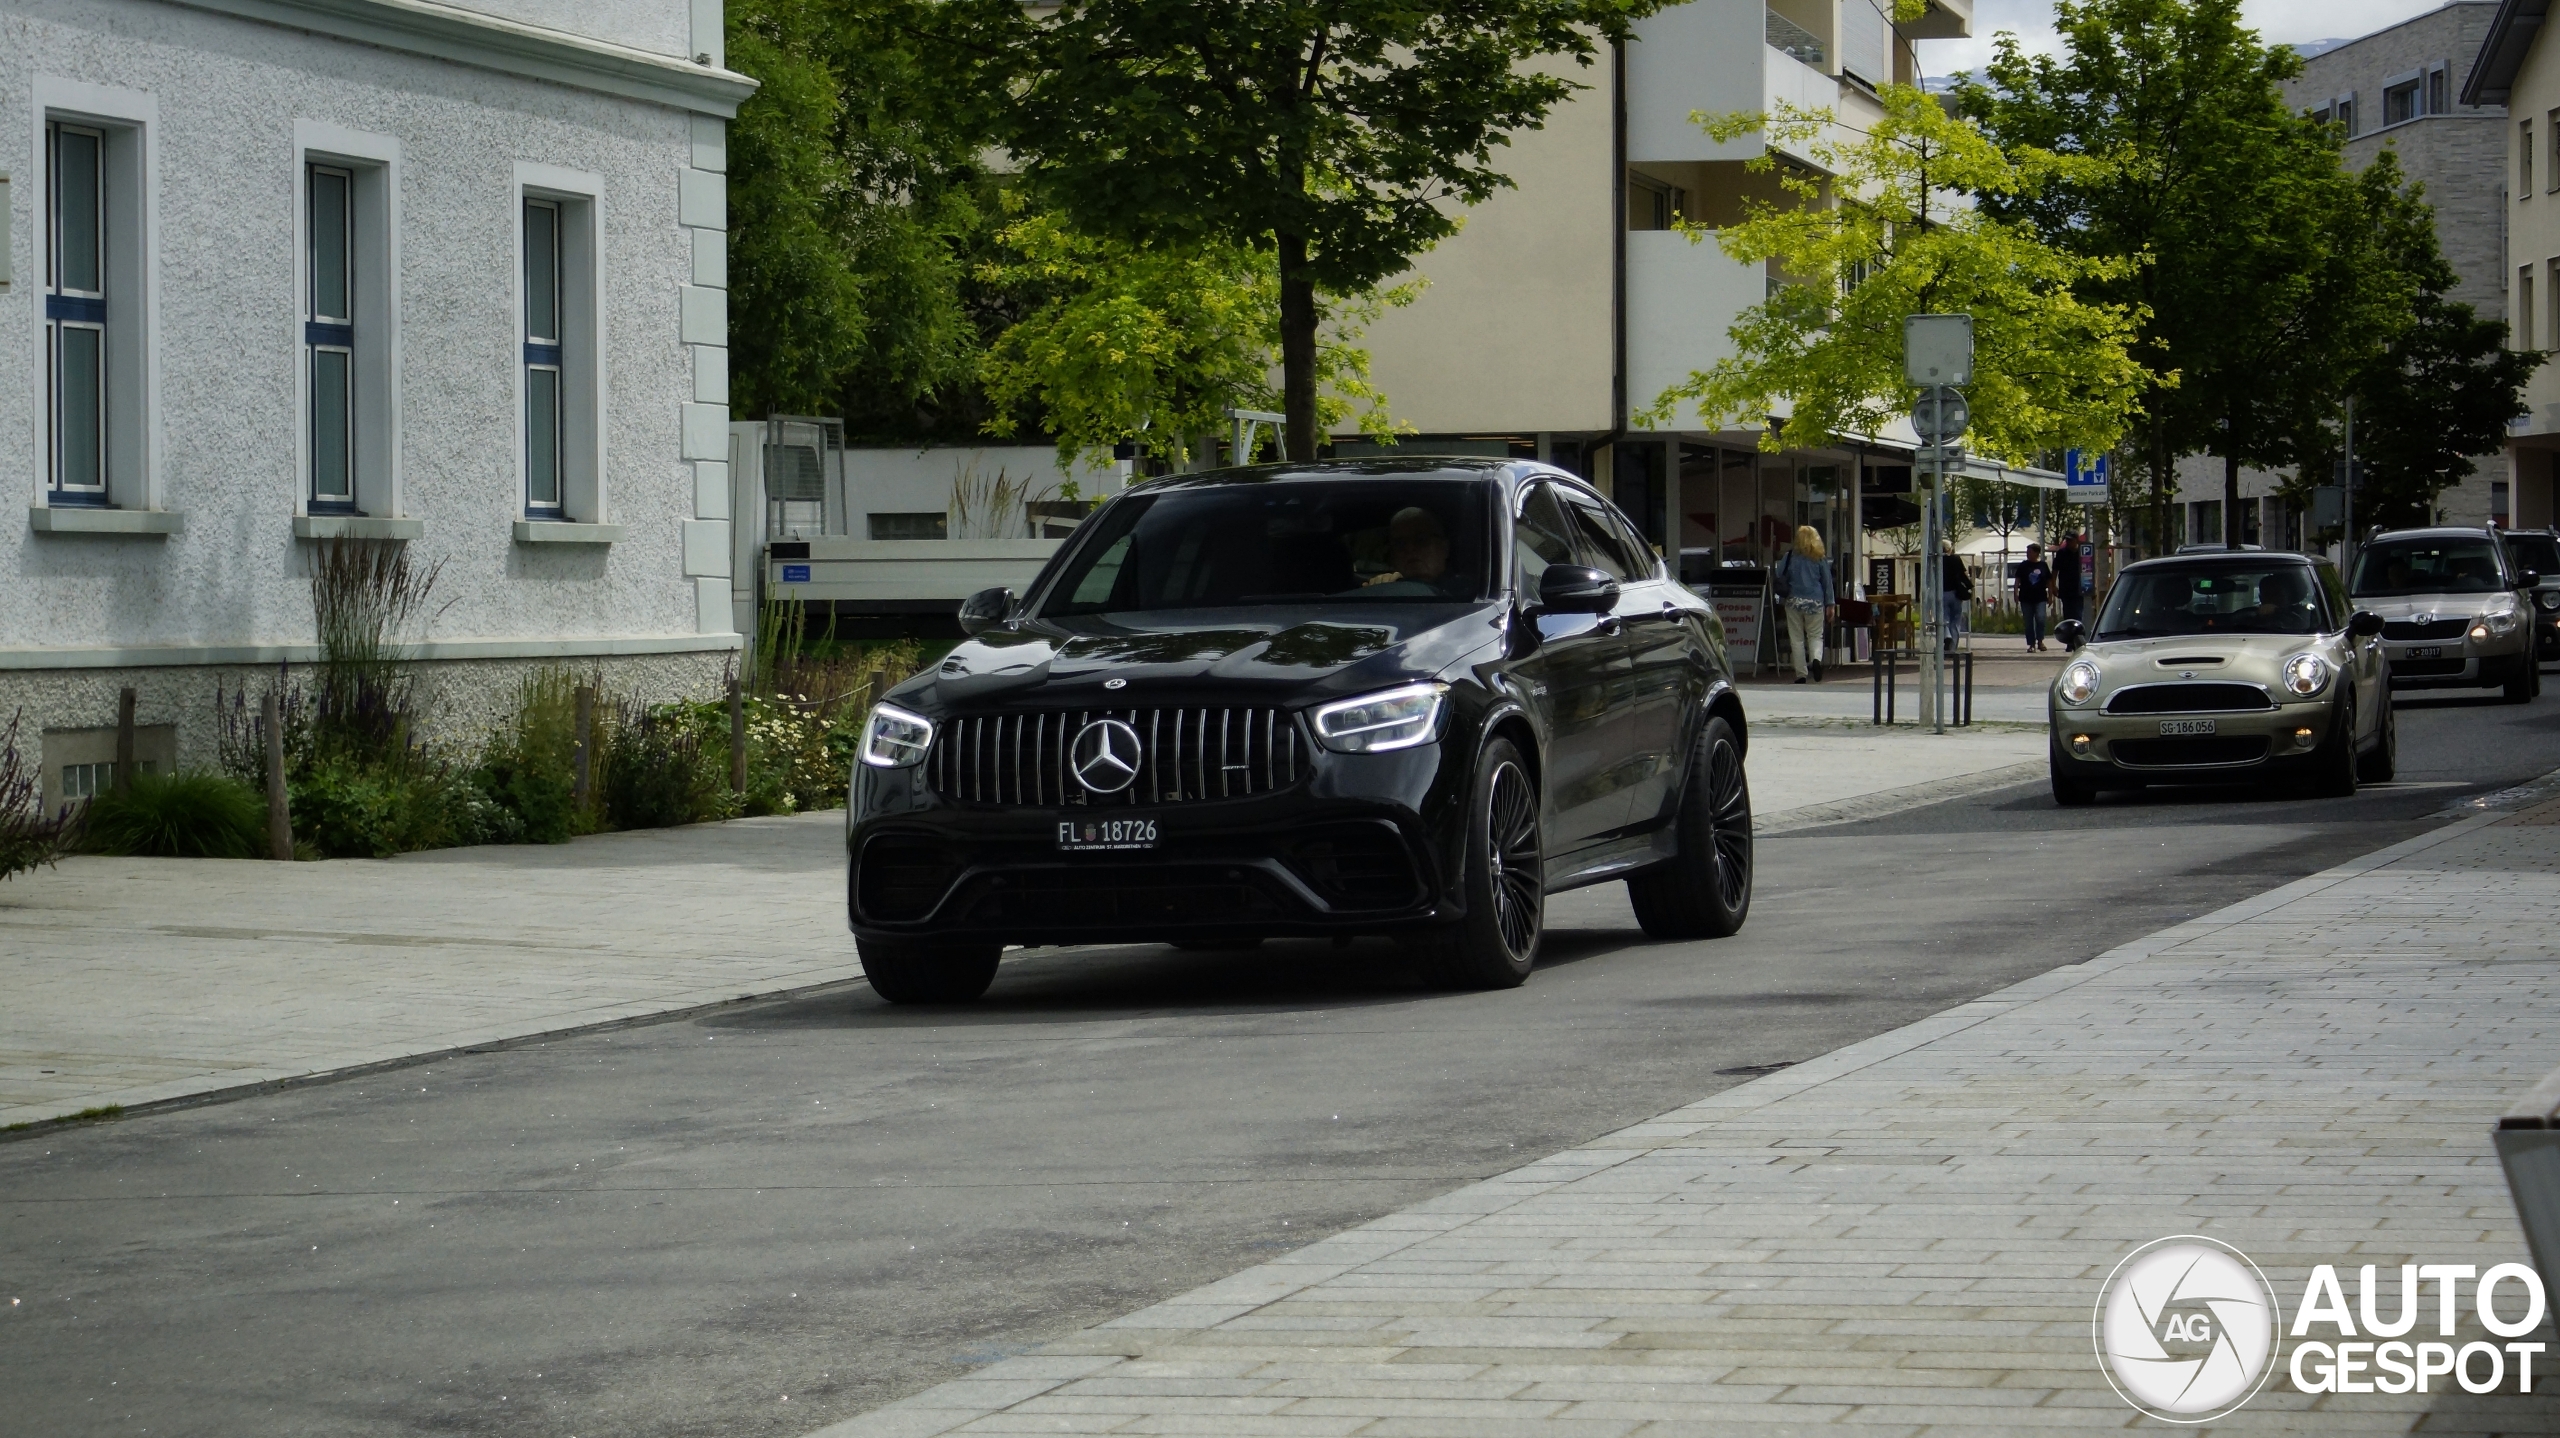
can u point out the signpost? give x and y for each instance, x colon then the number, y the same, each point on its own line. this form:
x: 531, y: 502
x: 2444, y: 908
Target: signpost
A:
x: 1937, y: 358
x: 2084, y: 477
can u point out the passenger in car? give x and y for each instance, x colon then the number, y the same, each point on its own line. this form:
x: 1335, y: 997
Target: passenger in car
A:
x: 1417, y: 553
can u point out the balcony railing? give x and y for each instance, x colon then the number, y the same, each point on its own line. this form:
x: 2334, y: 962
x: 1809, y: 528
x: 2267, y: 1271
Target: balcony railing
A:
x: 1788, y: 37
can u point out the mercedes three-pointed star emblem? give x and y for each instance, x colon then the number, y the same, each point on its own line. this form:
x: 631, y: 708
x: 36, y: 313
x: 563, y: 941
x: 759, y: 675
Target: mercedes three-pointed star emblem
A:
x: 1105, y: 756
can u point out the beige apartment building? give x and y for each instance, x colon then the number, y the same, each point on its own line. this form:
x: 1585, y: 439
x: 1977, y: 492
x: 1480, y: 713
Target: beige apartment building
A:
x: 2518, y: 66
x: 1569, y: 303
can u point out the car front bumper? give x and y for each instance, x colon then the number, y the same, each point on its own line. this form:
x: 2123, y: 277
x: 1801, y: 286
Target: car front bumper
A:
x: 2463, y: 662
x: 2089, y: 743
x: 1310, y: 860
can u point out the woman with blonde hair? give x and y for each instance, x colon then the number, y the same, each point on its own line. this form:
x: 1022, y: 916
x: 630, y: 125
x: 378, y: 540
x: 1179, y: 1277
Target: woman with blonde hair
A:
x: 1803, y: 580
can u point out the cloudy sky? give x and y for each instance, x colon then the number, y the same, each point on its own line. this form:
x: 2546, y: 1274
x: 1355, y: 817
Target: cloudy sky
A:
x: 2277, y: 21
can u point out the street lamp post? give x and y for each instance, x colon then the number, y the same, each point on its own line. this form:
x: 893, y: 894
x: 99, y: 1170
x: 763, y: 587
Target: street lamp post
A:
x: 1937, y: 356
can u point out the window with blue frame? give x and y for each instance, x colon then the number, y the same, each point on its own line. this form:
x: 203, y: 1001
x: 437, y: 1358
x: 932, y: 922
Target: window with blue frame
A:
x: 329, y: 338
x: 543, y: 460
x: 75, y: 315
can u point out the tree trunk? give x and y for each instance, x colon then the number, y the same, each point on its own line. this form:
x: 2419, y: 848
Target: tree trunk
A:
x: 1298, y: 348
x: 2230, y: 502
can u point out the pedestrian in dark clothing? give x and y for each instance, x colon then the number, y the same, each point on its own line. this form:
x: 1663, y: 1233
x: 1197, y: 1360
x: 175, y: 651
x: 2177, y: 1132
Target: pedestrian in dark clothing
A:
x: 1955, y: 592
x: 2066, y: 576
x: 2035, y: 589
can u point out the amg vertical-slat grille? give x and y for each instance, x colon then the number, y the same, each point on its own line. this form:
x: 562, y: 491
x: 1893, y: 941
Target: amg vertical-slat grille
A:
x: 1190, y: 754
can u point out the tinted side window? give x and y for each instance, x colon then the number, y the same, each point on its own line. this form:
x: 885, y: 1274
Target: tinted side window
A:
x: 1542, y: 537
x: 1597, y: 542
x: 1648, y: 563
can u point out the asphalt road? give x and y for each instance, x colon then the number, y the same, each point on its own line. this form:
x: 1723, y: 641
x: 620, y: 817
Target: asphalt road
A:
x: 763, y: 1220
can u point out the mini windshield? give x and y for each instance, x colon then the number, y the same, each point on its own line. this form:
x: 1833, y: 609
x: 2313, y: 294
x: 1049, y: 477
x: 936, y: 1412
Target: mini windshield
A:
x: 2176, y: 599
x: 1356, y: 541
x: 2435, y: 565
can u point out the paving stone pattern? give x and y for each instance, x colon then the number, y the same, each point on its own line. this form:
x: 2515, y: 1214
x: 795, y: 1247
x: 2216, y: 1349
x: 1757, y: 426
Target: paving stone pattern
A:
x: 1909, y: 1235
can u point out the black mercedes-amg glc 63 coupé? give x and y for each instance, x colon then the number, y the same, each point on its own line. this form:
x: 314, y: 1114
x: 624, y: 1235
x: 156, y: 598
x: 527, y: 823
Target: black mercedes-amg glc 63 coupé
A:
x: 1409, y: 697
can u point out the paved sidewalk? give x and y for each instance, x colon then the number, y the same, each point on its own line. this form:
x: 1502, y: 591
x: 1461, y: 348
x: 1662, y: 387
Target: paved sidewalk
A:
x: 1909, y: 1235
x: 135, y: 981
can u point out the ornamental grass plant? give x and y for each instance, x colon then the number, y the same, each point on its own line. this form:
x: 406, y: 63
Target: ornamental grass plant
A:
x: 192, y: 814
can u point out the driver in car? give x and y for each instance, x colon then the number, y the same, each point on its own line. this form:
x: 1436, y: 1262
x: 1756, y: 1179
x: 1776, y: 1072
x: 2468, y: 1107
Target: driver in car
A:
x: 1417, y: 556
x: 2284, y: 604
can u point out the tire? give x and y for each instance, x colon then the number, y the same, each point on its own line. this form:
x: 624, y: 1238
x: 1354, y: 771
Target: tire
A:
x: 2383, y: 764
x: 1496, y: 944
x: 1704, y: 892
x: 926, y: 971
x: 2521, y: 684
x: 2069, y: 792
x: 2334, y: 764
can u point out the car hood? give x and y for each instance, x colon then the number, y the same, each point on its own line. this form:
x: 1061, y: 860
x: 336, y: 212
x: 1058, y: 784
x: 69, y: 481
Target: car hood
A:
x: 2234, y: 658
x: 2440, y: 606
x: 1273, y: 655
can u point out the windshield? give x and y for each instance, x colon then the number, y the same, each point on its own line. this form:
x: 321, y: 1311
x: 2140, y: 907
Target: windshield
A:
x: 2463, y: 565
x: 2175, y: 599
x: 1294, y: 542
x: 2537, y: 552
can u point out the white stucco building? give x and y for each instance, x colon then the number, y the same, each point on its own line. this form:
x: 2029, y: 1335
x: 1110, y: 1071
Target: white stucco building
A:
x: 445, y: 275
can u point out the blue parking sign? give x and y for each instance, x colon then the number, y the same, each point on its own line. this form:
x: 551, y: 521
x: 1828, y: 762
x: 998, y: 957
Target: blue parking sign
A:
x: 795, y: 574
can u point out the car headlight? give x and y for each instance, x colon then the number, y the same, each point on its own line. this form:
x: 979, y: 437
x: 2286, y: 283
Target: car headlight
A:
x: 2306, y: 675
x: 1389, y: 719
x: 2547, y: 599
x: 2079, y: 682
x: 895, y: 739
x: 2499, y: 622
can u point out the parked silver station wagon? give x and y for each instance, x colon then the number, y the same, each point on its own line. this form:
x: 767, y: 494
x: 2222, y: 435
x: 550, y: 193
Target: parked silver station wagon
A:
x: 2223, y: 668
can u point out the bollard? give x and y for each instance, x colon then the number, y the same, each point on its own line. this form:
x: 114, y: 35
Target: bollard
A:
x: 124, y: 742
x: 878, y: 686
x: 279, y: 819
x: 737, y: 738
x: 582, y: 748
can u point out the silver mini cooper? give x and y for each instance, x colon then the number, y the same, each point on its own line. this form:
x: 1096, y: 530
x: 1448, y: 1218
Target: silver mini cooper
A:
x: 2223, y: 668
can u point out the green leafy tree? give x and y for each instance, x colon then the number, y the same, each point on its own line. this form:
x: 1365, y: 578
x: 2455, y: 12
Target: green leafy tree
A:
x: 1154, y: 341
x: 2258, y: 294
x: 860, y: 203
x: 1894, y: 228
x: 1338, y: 135
x: 2439, y: 392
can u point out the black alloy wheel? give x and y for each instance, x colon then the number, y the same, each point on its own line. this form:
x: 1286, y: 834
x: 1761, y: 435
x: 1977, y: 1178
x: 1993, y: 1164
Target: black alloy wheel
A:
x: 1705, y: 891
x: 2383, y: 764
x: 928, y: 971
x: 1496, y: 944
x: 2334, y: 764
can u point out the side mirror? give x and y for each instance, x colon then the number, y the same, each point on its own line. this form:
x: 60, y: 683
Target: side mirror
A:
x: 985, y: 610
x: 2526, y: 579
x: 2364, y: 624
x: 1576, y: 589
x: 2072, y: 633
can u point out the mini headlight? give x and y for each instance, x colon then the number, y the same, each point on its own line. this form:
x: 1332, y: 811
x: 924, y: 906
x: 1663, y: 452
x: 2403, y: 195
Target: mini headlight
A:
x: 2079, y: 682
x: 2306, y: 674
x: 895, y: 739
x: 1389, y: 719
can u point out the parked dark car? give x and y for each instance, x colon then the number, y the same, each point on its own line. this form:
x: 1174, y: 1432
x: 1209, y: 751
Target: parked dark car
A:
x: 1409, y: 697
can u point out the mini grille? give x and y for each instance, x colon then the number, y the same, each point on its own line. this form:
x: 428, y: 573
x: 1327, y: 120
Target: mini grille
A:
x: 1190, y: 755
x: 2433, y: 629
x: 2188, y: 699
x: 2196, y: 752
